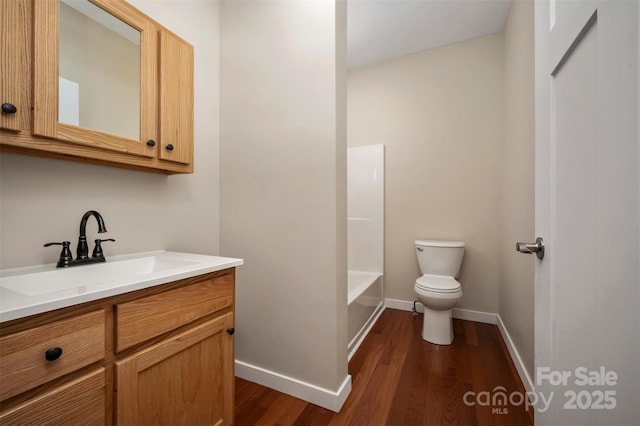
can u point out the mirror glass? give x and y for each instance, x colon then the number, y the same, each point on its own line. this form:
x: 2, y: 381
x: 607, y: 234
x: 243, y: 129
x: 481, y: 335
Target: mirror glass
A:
x: 99, y: 85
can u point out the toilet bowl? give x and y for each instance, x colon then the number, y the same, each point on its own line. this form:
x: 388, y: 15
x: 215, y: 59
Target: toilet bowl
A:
x: 437, y: 289
x: 438, y: 294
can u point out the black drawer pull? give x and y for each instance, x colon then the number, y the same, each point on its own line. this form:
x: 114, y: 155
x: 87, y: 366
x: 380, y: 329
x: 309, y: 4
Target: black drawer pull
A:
x: 231, y: 331
x: 151, y: 142
x: 53, y: 353
x: 9, y: 108
x: 169, y: 147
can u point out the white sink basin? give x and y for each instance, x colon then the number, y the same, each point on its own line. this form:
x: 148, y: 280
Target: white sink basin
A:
x: 31, y: 290
x: 38, y: 283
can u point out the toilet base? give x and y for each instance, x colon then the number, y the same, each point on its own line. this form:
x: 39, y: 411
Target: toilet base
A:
x: 437, y: 327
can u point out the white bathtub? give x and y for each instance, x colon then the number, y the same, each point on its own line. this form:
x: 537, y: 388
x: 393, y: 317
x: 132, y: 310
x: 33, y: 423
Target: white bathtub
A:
x: 365, y: 305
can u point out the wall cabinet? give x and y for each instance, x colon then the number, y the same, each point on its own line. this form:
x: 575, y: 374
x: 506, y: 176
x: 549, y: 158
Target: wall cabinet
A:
x: 15, y: 65
x: 31, y: 92
x: 162, y: 355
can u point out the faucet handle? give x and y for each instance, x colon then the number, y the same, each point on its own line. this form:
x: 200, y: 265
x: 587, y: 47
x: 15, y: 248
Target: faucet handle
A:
x: 65, y: 254
x: 97, y: 250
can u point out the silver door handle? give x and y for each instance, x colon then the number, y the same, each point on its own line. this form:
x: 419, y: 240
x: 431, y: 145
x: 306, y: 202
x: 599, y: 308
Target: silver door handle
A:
x: 537, y: 248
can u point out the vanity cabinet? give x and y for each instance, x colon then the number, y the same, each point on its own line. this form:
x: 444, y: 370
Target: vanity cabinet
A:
x: 161, y: 355
x: 184, y: 379
x: 155, y: 388
x: 144, y: 124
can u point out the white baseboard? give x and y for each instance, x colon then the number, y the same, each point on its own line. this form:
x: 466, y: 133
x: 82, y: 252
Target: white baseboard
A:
x: 465, y: 314
x: 359, y: 338
x: 515, y: 356
x: 403, y: 305
x: 477, y: 316
x: 331, y: 400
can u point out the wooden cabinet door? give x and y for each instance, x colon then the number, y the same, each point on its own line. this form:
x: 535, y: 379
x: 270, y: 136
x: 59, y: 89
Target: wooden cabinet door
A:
x: 79, y: 402
x: 46, y: 58
x: 15, y: 63
x: 176, y: 99
x: 187, y: 379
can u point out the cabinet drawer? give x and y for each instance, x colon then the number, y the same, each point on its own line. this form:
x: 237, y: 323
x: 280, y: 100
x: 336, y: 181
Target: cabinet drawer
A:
x: 22, y: 355
x: 151, y: 316
x: 80, y: 402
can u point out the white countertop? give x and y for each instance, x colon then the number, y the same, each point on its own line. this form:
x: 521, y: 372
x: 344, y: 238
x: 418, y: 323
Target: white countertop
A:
x: 37, y: 289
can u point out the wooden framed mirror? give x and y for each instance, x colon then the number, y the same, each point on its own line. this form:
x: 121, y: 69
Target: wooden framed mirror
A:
x: 84, y: 94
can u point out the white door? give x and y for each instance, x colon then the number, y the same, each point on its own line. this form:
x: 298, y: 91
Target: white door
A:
x: 587, y: 211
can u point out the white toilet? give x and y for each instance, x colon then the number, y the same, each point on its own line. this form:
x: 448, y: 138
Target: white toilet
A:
x: 437, y: 288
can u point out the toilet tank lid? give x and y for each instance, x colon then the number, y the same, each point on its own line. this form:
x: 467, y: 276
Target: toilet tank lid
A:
x: 432, y: 243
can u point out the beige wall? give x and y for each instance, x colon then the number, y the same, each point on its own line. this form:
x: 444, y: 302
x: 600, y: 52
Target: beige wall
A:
x: 43, y: 200
x: 439, y: 115
x: 517, y: 272
x: 283, y: 184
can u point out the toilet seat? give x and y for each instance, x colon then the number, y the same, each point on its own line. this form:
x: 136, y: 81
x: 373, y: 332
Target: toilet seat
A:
x: 438, y: 284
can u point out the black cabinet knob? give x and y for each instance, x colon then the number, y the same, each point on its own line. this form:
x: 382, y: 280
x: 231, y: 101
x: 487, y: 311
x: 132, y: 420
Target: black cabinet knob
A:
x: 231, y: 330
x: 169, y: 147
x: 9, y: 108
x: 53, y: 353
x: 151, y: 142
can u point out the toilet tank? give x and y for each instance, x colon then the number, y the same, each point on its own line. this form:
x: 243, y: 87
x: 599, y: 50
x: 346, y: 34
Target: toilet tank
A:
x: 440, y: 257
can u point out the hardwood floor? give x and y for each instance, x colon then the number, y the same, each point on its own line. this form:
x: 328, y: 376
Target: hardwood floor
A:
x: 399, y: 379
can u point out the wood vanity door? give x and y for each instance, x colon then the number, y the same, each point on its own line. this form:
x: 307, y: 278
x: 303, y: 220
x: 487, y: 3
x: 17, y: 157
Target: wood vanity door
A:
x: 186, y: 379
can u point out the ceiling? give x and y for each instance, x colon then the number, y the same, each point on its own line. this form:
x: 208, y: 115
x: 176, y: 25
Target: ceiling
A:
x: 378, y: 30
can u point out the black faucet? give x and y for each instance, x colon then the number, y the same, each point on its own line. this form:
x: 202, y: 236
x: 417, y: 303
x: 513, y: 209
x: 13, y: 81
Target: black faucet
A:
x: 82, y: 251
